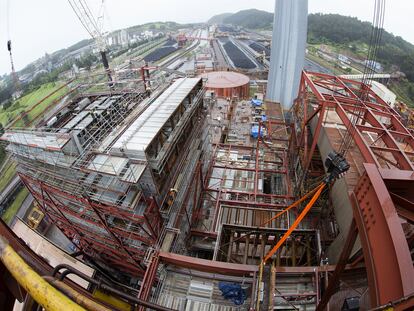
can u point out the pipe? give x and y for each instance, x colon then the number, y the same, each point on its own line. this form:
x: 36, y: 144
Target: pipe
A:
x: 41, y: 291
x: 82, y: 300
x: 108, y: 288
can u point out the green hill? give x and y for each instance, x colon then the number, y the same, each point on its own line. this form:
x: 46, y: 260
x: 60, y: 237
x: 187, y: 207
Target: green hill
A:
x: 253, y: 19
x: 218, y: 19
x: 336, y: 29
x: 349, y: 31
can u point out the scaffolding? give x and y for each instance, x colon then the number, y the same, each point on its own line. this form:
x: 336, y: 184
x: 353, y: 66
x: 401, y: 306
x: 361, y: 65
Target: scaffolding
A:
x: 103, y: 192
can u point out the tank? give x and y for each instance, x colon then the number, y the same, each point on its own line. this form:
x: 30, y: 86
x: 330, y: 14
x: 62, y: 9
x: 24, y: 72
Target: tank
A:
x: 227, y: 83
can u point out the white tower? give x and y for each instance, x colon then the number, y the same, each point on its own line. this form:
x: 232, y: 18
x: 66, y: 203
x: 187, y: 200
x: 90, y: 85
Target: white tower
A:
x: 288, y: 51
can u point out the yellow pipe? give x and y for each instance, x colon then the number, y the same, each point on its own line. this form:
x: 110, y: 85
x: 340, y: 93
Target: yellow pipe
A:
x: 41, y: 291
x: 76, y: 296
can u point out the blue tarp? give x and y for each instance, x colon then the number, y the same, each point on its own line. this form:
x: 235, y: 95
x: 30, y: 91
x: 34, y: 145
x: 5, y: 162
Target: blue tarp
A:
x: 255, y: 131
x: 264, y: 118
x: 256, y: 102
x: 234, y: 292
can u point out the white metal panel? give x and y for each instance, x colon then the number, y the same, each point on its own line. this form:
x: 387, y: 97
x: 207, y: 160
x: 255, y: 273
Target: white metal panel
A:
x: 143, y: 130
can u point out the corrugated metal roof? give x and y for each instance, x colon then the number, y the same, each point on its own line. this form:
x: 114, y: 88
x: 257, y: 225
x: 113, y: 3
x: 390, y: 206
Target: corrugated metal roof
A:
x: 144, y: 129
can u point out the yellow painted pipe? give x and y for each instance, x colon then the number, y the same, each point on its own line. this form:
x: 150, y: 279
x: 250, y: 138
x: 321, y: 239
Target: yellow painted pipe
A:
x: 41, y: 291
x: 76, y: 296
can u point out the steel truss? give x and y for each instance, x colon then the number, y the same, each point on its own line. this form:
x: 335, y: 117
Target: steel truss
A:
x: 382, y: 199
x: 122, y: 240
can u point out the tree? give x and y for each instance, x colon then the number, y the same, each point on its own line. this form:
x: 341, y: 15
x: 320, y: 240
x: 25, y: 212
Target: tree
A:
x: 7, y: 104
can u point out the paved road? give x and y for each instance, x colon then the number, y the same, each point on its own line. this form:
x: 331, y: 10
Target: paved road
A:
x: 221, y: 61
x: 312, y: 66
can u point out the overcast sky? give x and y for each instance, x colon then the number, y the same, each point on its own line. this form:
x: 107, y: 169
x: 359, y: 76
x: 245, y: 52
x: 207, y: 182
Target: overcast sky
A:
x: 36, y: 27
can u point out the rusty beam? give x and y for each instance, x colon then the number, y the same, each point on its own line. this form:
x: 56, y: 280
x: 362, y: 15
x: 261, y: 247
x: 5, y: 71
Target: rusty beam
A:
x: 207, y: 265
x: 386, y: 252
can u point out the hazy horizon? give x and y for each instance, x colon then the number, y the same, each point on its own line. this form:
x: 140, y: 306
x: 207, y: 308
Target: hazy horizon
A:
x: 35, y: 30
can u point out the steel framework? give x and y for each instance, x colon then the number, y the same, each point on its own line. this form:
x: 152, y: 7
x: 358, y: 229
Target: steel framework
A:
x: 237, y: 176
x: 381, y: 200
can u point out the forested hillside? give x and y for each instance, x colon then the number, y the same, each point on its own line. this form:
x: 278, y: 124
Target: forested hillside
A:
x: 252, y: 19
x: 334, y: 28
x: 338, y: 29
x: 219, y: 19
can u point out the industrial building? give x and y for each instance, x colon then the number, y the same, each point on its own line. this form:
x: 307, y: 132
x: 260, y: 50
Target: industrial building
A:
x: 103, y: 178
x: 172, y: 194
x: 200, y: 190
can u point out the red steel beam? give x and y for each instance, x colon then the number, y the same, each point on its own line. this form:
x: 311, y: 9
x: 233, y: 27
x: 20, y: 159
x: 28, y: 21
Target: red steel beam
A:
x: 207, y: 265
x: 385, y: 248
x: 148, y: 280
x: 386, y: 252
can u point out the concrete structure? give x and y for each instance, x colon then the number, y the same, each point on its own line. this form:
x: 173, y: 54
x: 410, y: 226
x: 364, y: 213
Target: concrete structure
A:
x: 227, y: 83
x: 288, y: 51
x: 52, y: 254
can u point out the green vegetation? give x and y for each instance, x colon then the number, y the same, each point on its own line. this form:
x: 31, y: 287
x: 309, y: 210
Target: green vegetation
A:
x: 7, y: 175
x: 348, y: 36
x: 404, y: 91
x: 12, y: 110
x: 15, y: 206
x: 3, y: 154
x: 342, y: 32
x: 252, y: 19
x: 156, y: 26
x: 219, y: 19
x: 337, y: 29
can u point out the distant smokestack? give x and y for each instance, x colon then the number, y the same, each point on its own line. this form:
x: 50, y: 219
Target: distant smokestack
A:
x: 288, y: 51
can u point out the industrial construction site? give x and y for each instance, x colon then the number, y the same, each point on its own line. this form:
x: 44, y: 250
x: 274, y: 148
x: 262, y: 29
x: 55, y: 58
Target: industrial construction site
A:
x: 219, y: 171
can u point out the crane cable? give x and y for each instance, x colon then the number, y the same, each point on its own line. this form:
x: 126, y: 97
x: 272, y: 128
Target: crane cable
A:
x: 317, y: 192
x: 295, y: 204
x: 76, y: 10
x: 375, y: 40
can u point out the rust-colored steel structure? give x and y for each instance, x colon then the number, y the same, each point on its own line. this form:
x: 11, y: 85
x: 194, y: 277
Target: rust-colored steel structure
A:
x: 111, y: 212
x: 113, y: 250
x: 218, y: 194
x: 382, y: 199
